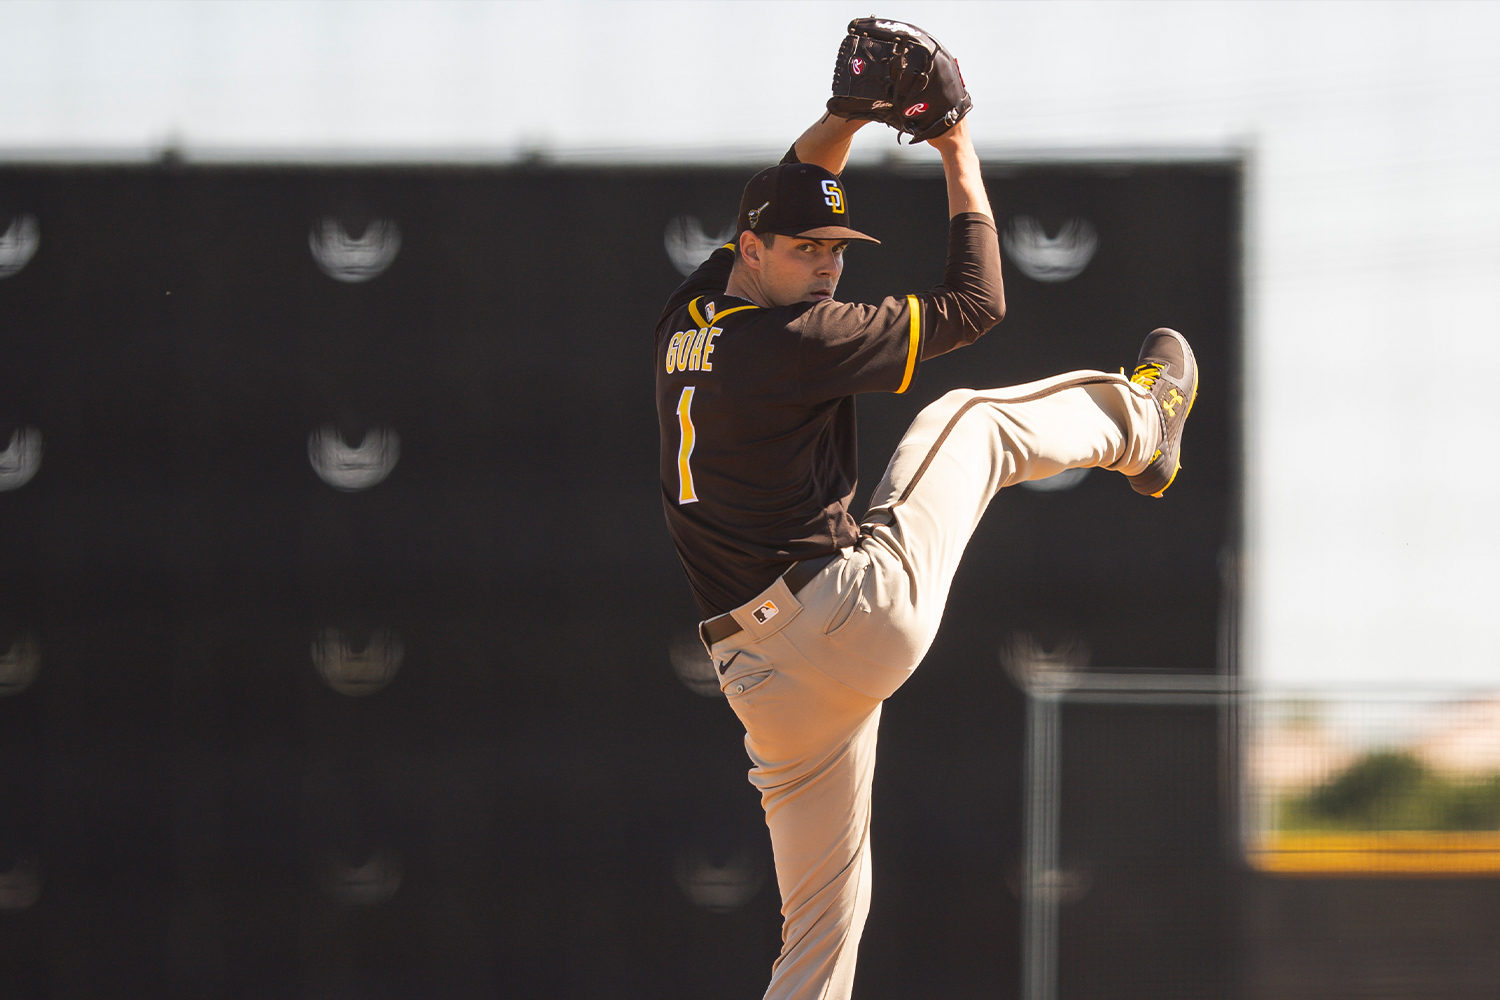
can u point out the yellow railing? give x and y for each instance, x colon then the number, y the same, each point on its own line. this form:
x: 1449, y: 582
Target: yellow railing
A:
x: 1397, y: 853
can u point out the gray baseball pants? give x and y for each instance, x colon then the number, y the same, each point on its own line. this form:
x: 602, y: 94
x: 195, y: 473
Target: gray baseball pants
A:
x: 808, y: 682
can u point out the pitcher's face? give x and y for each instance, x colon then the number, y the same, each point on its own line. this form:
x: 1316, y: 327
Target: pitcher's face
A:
x: 798, y: 269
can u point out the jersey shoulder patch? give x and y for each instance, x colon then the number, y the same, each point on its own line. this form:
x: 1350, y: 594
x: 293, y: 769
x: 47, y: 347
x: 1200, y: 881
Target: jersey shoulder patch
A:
x: 706, y: 312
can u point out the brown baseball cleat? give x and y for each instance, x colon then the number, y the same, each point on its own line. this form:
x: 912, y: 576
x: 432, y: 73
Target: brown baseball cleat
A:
x: 1168, y: 369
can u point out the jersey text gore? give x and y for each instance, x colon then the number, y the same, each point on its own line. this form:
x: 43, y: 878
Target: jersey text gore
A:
x: 689, y: 350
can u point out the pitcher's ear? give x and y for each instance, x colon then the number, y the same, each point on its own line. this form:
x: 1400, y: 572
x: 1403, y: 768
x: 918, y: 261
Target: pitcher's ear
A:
x: 750, y: 248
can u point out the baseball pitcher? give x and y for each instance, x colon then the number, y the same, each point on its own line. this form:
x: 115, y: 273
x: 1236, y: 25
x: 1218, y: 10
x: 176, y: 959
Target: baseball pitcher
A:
x: 813, y: 618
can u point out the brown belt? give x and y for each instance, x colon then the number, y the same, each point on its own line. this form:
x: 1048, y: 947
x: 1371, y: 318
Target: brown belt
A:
x: 801, y: 573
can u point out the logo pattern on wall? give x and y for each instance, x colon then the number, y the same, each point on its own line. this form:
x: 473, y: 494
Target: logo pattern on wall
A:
x: 366, y: 884
x: 21, y: 458
x: 1050, y: 258
x: 357, y: 467
x: 692, y: 665
x: 354, y: 671
x: 18, y: 244
x: 21, y: 885
x: 19, y: 665
x: 719, y: 885
x: 689, y: 245
x: 349, y: 258
x: 1064, y: 480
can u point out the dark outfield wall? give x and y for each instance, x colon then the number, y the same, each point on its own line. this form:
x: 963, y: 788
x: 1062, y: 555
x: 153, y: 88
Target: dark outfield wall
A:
x: 495, y: 782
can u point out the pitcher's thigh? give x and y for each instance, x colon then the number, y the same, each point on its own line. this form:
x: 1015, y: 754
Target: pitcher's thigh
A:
x: 793, y: 712
x: 912, y: 460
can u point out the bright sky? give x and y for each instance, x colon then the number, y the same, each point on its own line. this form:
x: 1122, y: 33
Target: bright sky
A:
x: 1374, y: 253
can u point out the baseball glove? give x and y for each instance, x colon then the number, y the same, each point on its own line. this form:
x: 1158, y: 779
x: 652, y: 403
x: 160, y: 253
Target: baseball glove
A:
x: 893, y: 72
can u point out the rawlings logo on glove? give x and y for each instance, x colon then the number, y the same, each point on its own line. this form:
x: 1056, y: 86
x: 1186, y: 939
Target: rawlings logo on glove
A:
x: 896, y: 73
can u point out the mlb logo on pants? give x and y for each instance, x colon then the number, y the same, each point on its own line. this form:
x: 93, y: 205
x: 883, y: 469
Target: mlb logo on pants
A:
x: 765, y: 612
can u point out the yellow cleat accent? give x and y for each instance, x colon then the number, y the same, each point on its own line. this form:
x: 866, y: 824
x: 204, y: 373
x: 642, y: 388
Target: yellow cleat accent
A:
x: 1159, y: 492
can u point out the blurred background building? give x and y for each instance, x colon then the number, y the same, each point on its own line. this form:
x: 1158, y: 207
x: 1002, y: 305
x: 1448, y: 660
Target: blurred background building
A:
x: 335, y: 601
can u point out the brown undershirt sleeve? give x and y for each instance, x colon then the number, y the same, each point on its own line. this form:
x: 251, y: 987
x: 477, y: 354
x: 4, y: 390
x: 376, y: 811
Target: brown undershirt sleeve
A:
x: 971, y: 298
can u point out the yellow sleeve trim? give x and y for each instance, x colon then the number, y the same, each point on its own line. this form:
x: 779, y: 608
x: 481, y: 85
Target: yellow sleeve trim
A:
x: 736, y: 309
x: 915, y: 309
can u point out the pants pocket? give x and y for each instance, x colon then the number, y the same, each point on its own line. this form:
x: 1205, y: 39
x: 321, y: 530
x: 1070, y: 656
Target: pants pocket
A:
x: 853, y: 603
x: 747, y: 683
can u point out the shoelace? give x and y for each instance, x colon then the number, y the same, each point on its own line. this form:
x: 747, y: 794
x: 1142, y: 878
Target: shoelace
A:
x: 1146, y: 375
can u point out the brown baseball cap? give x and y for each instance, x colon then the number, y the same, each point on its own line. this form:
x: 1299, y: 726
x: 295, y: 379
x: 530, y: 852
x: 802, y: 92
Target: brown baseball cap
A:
x: 797, y: 199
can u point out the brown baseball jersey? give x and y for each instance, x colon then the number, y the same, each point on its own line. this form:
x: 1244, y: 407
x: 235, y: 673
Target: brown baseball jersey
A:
x: 758, y: 457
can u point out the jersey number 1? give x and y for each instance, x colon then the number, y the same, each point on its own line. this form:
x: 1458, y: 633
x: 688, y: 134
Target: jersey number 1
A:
x: 685, y: 492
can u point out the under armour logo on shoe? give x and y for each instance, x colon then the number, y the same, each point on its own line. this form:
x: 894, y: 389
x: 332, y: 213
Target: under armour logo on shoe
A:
x: 1174, y: 399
